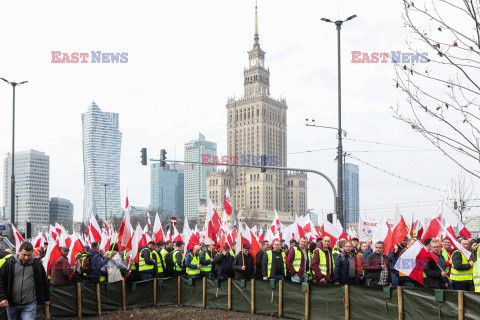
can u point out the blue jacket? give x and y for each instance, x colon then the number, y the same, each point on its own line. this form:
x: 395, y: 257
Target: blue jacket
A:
x: 96, y: 263
x: 188, y: 261
x: 342, y: 267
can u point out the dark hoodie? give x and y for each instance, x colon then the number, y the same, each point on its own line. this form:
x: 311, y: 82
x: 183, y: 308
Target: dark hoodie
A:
x: 317, y: 274
x: 96, y: 263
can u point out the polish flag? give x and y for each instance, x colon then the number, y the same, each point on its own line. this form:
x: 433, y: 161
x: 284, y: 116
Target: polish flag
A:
x: 433, y: 230
x: 58, y: 228
x: 260, y: 236
x: 75, y: 247
x: 106, y: 227
x: 463, y: 231
x: 53, y: 253
x: 400, y: 231
x: 135, y: 244
x: 125, y: 232
x: 126, y: 203
x: 449, y: 229
x: 276, y: 226
x: 455, y: 244
x: 95, y: 230
x: 18, y: 238
x: 384, y: 234
x: 38, y: 241
x: 157, y: 230
x: 176, y: 235
x: 149, y: 222
x: 419, y: 229
x: 328, y: 229
x: 413, y: 261
x: 53, y: 232
x: 189, y: 237
x: 227, y: 203
x: 254, y: 245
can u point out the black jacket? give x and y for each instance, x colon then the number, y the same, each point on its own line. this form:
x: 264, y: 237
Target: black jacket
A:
x: 146, y: 256
x: 342, y: 268
x: 249, y: 271
x: 258, y: 264
x: 274, y: 266
x: 373, y: 267
x: 40, y: 277
x: 434, y: 278
x: 219, y: 262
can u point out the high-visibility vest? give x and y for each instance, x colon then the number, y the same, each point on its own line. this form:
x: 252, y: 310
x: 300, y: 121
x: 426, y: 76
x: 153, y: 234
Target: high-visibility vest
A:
x: 447, y: 257
x: 2, y: 261
x: 322, y: 262
x: 142, y: 265
x: 231, y: 253
x: 297, y: 261
x: 196, y: 261
x: 461, y: 275
x: 208, y: 267
x: 163, y: 253
x: 177, y: 264
x: 160, y: 261
x: 269, y: 265
x: 103, y: 278
x: 476, y: 274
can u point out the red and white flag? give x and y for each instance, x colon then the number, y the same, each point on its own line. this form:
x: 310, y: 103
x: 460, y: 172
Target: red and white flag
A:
x: 328, y: 229
x: 413, y: 261
x: 18, y: 238
x: 75, y: 248
x: 276, y: 226
x: 95, y: 230
x: 53, y: 253
x: 384, y: 234
x: 135, y: 244
x: 463, y: 231
x: 449, y: 229
x: 125, y: 232
x: 157, y: 230
x: 38, y: 241
x: 455, y: 244
x: 227, y: 204
x: 400, y: 231
x: 149, y: 222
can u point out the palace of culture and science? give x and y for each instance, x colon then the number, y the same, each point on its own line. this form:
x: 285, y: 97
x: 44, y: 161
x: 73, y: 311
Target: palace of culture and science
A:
x: 257, y: 125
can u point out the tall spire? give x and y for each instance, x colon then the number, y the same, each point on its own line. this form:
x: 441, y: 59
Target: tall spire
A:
x: 256, y: 24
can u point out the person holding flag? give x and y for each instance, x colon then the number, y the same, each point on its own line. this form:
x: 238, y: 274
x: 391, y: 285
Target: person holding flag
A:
x: 462, y: 268
x: 244, y: 265
x: 435, y: 275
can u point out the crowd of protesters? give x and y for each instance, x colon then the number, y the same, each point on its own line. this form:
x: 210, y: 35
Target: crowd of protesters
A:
x: 24, y: 282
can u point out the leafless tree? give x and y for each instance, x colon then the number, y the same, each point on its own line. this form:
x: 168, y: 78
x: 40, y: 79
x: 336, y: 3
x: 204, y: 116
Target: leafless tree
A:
x: 250, y: 217
x: 461, y: 191
x: 442, y: 95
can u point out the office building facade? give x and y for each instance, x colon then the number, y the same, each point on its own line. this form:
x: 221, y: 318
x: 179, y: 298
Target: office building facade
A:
x: 351, y: 190
x: 166, y: 190
x: 61, y: 211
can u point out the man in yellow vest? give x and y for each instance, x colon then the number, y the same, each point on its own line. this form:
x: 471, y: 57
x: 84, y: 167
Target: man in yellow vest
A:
x: 476, y: 271
x: 298, y: 262
x: 192, y: 262
x: 159, y: 260
x: 274, y: 264
x: 177, y: 257
x: 4, y: 255
x: 322, y: 262
x: 206, y: 259
x: 462, y: 269
x: 146, y: 263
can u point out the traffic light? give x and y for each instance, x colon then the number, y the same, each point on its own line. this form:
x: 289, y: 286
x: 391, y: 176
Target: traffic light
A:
x: 264, y: 163
x: 144, y: 156
x: 163, y: 157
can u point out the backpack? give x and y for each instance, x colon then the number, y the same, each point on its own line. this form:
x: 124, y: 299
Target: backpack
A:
x: 86, y: 264
x: 169, y: 265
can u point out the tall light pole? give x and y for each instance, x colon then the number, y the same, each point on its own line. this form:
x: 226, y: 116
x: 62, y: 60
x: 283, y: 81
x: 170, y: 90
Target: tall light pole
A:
x: 106, y: 212
x: 12, y: 193
x: 340, y: 209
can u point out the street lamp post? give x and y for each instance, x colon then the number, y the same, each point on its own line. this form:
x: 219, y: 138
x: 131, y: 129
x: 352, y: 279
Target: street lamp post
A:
x: 340, y: 209
x: 12, y: 193
x: 106, y: 212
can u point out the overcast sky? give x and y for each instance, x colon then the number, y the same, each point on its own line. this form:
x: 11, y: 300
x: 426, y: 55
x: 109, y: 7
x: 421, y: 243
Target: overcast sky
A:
x: 185, y: 58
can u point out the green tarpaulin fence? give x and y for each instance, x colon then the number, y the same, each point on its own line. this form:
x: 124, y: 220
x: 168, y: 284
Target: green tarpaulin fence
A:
x: 273, y: 298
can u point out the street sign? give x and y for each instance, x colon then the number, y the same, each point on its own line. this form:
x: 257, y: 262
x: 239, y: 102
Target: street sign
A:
x: 176, y: 166
x: 173, y: 220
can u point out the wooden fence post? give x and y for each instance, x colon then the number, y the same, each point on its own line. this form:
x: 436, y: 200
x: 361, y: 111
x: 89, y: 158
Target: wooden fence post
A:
x: 347, y: 303
x: 99, y: 302
x: 280, y: 298
x: 400, y: 303
x: 229, y: 293
x: 204, y: 300
x: 79, y: 300
x: 47, y: 312
x: 179, y: 298
x: 155, y: 292
x: 124, y: 296
x: 307, y: 303
x: 252, y: 296
x: 460, y: 305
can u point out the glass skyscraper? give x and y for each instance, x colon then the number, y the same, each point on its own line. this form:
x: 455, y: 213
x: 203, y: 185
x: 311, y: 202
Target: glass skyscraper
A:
x: 102, y: 141
x: 195, y: 180
x: 32, y: 187
x: 61, y: 211
x: 166, y: 190
x: 352, y: 192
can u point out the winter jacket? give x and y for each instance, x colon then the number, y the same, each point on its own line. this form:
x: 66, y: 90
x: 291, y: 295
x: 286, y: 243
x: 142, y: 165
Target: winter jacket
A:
x: 60, y: 271
x: 373, y: 267
x: 114, y: 267
x: 7, y: 274
x: 317, y: 274
x: 434, y: 279
x: 342, y: 268
x: 238, y: 262
x: 219, y: 263
x: 148, y: 260
x: 259, y: 263
x: 96, y: 263
x: 291, y: 257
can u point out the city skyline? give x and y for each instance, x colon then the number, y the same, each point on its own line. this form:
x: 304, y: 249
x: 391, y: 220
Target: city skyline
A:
x: 164, y: 98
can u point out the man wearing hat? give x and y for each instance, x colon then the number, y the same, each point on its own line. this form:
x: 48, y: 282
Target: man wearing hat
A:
x: 60, y: 270
x: 243, y: 264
